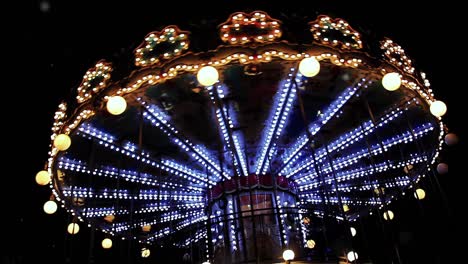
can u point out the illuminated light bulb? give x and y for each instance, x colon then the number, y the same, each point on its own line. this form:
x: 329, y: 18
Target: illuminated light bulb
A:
x: 379, y: 190
x: 50, y: 207
x: 306, y: 220
x: 106, y: 243
x: 391, y: 81
x: 438, y: 108
x: 407, y: 168
x: 62, y: 142
x: 206, y: 262
x: 419, y: 194
x: 42, y: 177
x: 451, y: 139
x: 196, y: 90
x: 352, y: 256
x: 146, y: 228
x: 388, y: 215
x: 73, y: 228
x: 207, y: 76
x: 345, y: 208
x: 310, y: 243
x: 116, y: 105
x: 442, y: 168
x: 288, y: 255
x: 109, y: 218
x: 145, y: 252
x: 353, y: 231
x: 309, y: 67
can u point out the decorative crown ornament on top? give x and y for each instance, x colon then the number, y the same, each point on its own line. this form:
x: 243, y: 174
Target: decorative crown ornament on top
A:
x: 94, y: 81
x: 161, y: 45
x: 242, y: 28
x: 335, y: 32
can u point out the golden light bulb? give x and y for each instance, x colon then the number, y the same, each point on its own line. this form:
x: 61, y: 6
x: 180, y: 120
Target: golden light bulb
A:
x: 419, y: 194
x: 207, y: 76
x: 116, y: 105
x: 42, y: 177
x: 352, y: 256
x: 391, y: 81
x: 50, y: 207
x: 309, y: 67
x: 106, y: 243
x: 288, y: 255
x: 145, y: 252
x: 345, y: 208
x: 73, y: 228
x: 438, y: 108
x: 62, y: 142
x: 388, y: 215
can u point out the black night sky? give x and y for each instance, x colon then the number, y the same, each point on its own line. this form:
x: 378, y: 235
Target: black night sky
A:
x: 57, y: 42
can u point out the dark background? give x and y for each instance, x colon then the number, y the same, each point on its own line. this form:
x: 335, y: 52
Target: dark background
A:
x: 54, y: 43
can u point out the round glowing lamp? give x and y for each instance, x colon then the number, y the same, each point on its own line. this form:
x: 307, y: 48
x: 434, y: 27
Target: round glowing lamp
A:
x: 50, y: 207
x: 73, y: 228
x: 207, y: 76
x: 309, y: 67
x: 419, y: 194
x: 388, y: 215
x: 116, y: 105
x: 145, y: 252
x: 62, y: 142
x: 352, y: 256
x: 391, y: 81
x: 438, y: 108
x: 310, y: 243
x: 288, y: 255
x: 106, y: 243
x: 353, y: 231
x: 42, y: 177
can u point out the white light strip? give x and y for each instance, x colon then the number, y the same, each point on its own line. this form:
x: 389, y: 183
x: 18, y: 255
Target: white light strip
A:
x: 327, y: 115
x: 226, y: 127
x: 277, y: 120
x: 159, y: 119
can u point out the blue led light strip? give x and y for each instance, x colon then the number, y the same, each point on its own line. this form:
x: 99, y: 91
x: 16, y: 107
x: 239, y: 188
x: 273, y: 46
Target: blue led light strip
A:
x: 167, y: 231
x: 103, y: 211
x: 226, y: 124
x: 341, y: 143
x: 376, y: 149
x: 323, y: 119
x: 168, y: 217
x: 129, y: 149
x: 144, y: 195
x: 200, y: 234
x: 402, y: 181
x: 128, y: 175
x: 348, y: 175
x: 159, y: 119
x: 317, y: 199
x: 277, y: 120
